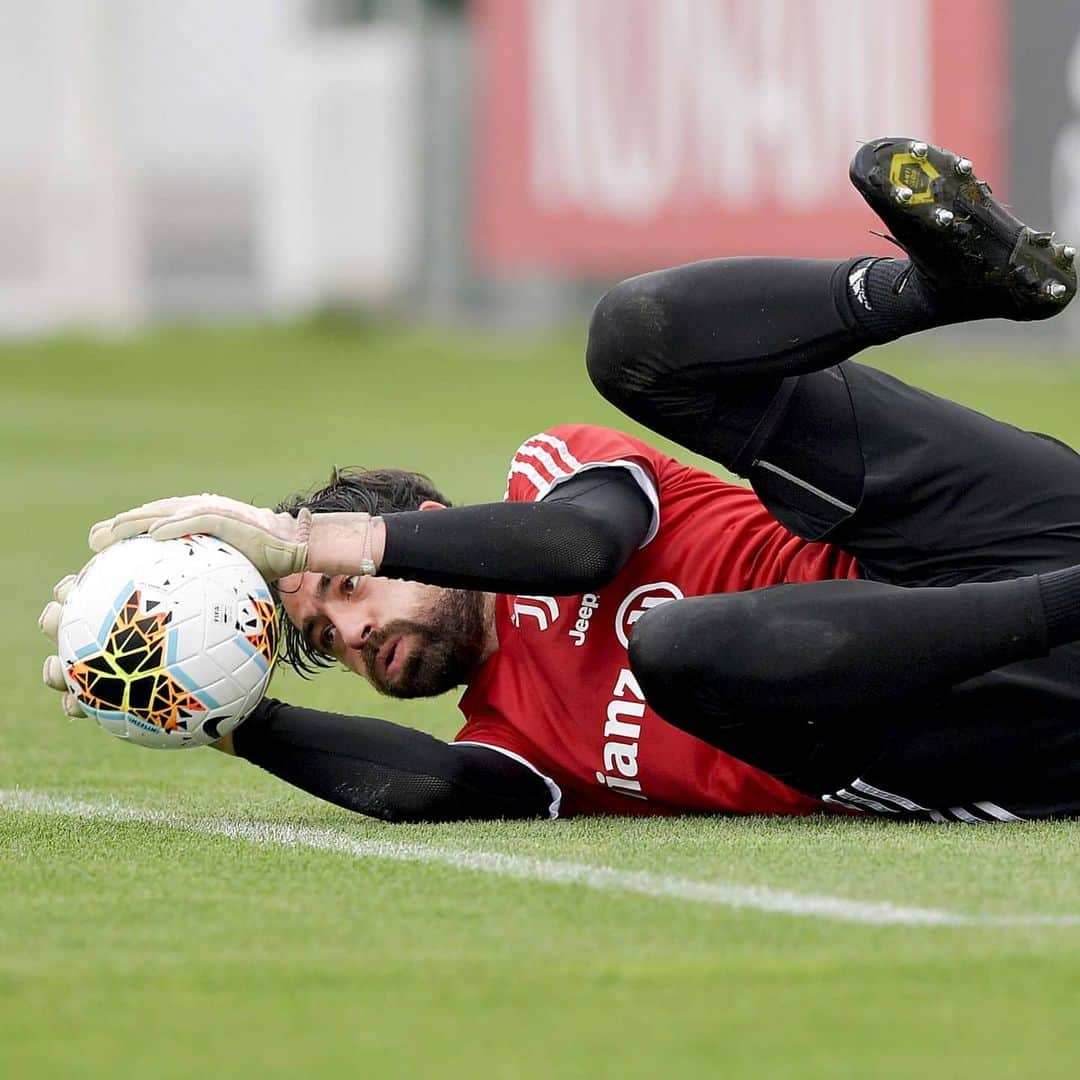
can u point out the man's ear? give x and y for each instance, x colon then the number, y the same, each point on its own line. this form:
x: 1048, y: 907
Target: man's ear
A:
x: 430, y: 504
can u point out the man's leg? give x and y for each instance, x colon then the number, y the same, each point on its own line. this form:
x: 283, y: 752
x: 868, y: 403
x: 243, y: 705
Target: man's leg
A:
x: 740, y: 360
x: 817, y: 683
x: 700, y: 352
x: 806, y: 681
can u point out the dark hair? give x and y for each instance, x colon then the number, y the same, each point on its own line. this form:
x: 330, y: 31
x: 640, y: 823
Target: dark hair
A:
x: 372, y: 491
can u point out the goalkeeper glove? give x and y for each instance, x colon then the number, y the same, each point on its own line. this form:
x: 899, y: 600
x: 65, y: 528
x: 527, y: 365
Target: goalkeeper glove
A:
x: 52, y: 673
x: 277, y: 543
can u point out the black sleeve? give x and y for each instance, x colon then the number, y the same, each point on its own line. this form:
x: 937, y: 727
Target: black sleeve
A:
x: 385, y: 770
x: 575, y: 540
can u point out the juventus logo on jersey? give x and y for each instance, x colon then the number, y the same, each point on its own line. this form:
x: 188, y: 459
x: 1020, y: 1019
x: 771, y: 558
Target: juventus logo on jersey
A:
x: 643, y: 598
x: 543, y: 609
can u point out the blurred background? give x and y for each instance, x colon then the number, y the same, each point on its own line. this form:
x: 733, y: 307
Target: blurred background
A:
x: 244, y: 240
x: 494, y: 161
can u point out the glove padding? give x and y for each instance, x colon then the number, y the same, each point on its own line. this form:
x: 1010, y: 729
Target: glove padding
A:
x: 52, y: 674
x: 277, y: 544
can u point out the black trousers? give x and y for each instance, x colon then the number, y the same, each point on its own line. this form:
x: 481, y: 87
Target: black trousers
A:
x: 932, y: 700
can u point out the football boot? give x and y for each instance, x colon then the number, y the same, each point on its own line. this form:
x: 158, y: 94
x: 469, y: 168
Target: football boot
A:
x: 959, y: 238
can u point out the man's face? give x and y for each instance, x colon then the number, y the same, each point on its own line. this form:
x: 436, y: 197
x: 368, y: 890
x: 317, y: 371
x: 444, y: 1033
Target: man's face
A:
x: 406, y: 639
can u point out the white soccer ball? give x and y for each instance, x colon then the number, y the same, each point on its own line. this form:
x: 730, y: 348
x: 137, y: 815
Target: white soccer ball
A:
x: 168, y: 643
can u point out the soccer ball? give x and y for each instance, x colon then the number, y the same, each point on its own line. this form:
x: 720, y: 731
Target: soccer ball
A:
x: 168, y: 643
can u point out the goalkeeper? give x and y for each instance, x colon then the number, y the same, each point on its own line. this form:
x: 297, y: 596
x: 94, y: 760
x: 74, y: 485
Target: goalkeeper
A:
x: 887, y: 623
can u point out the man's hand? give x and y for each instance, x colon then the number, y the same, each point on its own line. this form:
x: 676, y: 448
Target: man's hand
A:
x: 276, y: 543
x: 52, y: 673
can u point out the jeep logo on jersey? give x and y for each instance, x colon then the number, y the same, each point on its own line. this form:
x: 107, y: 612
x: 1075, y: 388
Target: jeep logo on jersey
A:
x: 543, y: 609
x: 643, y: 598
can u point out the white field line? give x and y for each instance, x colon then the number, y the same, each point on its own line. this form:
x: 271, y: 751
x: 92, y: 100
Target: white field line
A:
x: 526, y: 868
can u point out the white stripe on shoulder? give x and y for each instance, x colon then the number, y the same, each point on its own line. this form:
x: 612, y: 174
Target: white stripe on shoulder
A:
x: 523, y: 468
x: 556, y: 468
x: 562, y: 465
x: 553, y: 788
x: 558, y: 445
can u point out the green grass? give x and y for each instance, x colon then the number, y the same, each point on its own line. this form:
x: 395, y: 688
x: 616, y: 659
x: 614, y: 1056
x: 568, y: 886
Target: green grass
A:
x: 142, y: 949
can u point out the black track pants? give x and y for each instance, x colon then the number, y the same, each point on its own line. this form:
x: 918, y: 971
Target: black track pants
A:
x: 945, y: 692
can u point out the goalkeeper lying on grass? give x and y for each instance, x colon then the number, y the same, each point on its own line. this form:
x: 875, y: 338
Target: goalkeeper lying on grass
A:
x: 613, y: 620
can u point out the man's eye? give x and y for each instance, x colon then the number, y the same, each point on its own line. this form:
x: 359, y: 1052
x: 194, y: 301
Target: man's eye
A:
x: 349, y: 584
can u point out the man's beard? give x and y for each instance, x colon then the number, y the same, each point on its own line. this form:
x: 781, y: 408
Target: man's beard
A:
x: 446, y: 647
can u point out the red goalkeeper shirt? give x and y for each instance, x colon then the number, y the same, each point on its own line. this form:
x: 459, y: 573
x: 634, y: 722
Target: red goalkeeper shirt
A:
x: 559, y: 695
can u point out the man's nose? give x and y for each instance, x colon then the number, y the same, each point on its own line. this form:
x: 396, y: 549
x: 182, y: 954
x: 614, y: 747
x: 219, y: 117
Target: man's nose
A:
x: 355, y: 629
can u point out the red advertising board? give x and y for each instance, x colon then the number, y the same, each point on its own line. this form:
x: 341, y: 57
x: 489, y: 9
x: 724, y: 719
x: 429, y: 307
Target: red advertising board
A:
x: 619, y: 135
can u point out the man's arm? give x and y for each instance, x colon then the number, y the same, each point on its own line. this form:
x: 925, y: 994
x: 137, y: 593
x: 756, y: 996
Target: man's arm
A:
x: 575, y: 540
x: 386, y: 770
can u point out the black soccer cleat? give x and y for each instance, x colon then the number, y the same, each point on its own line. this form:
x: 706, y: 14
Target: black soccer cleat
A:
x: 958, y: 237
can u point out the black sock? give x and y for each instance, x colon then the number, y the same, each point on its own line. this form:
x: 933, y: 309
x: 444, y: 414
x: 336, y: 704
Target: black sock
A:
x: 1060, y: 591
x: 889, y: 298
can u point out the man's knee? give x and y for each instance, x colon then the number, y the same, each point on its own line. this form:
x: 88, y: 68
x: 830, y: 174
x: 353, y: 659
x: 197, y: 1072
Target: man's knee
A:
x: 761, y: 650
x: 686, y: 651
x: 652, y: 641
x: 624, y: 355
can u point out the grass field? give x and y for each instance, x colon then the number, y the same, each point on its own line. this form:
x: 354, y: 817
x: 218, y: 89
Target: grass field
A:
x: 177, y: 915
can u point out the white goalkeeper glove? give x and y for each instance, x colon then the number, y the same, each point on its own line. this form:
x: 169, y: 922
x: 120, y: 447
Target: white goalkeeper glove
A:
x: 52, y: 673
x: 277, y: 544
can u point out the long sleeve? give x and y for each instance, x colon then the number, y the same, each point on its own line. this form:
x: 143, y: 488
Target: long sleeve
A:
x: 386, y: 770
x: 576, y: 539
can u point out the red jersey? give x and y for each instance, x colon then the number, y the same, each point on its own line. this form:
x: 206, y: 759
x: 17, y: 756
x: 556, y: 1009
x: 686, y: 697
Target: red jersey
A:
x: 559, y: 695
